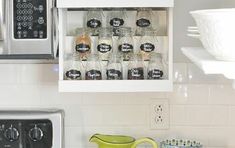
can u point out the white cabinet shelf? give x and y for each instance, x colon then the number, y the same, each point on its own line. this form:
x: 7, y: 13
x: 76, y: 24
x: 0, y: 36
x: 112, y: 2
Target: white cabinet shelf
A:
x: 69, y: 21
x: 116, y: 86
x: 113, y: 3
x: 208, y: 63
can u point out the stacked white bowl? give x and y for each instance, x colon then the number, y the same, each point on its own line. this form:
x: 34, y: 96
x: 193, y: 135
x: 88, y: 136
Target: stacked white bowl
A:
x: 216, y: 30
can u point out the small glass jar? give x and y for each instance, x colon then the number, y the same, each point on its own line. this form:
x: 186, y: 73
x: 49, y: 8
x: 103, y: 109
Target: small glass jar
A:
x: 83, y: 43
x: 93, y: 68
x: 105, y: 43
x: 73, y: 69
x: 126, y: 43
x: 114, y: 68
x: 116, y: 19
x: 93, y: 20
x: 148, y: 43
x: 143, y: 19
x: 135, y: 68
x: 155, y: 67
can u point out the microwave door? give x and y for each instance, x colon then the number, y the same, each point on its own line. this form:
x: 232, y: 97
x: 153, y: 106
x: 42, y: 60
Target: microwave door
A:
x: 29, y: 29
x: 2, y: 18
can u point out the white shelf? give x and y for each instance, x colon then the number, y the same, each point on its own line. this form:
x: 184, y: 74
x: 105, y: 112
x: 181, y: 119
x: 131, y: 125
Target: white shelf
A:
x: 116, y: 86
x: 208, y: 63
x: 66, y: 44
x: 113, y: 3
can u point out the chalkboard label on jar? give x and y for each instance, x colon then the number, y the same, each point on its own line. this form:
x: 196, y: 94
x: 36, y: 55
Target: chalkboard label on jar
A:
x: 73, y: 74
x: 136, y: 73
x: 93, y: 75
x: 93, y: 23
x: 155, y: 74
x: 103, y: 48
x: 116, y: 22
x: 82, y: 48
x: 147, y: 47
x: 143, y: 22
x: 113, y: 74
x: 125, y: 48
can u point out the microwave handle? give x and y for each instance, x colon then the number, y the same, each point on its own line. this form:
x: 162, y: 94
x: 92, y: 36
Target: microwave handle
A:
x: 2, y: 18
x: 55, y: 31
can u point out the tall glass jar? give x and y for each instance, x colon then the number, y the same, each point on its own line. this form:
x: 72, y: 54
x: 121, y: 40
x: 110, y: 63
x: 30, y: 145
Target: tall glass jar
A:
x: 126, y: 43
x: 116, y: 19
x: 114, y: 68
x: 148, y: 43
x: 83, y: 43
x: 93, y: 20
x: 93, y: 68
x: 155, y: 67
x: 135, y: 68
x: 105, y: 43
x: 143, y: 19
x: 73, y: 69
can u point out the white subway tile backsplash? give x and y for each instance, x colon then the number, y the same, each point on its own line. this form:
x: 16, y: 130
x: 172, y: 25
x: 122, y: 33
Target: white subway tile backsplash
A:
x: 201, y: 107
x: 142, y: 98
x: 9, y: 73
x: 38, y: 73
x: 222, y: 94
x: 126, y: 115
x: 189, y: 94
x: 49, y: 95
x: 104, y: 98
x: 74, y: 137
x: 178, y: 115
x: 232, y: 116
x: 180, y: 73
x: 221, y: 137
x: 207, y: 115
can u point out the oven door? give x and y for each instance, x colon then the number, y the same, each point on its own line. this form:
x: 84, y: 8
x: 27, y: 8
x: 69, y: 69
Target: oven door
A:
x: 28, y: 29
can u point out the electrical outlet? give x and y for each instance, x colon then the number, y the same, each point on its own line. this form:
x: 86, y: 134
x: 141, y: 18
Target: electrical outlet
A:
x: 159, y: 114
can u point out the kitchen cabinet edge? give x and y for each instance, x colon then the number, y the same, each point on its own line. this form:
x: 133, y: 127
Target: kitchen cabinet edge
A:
x: 116, y: 86
x: 113, y: 3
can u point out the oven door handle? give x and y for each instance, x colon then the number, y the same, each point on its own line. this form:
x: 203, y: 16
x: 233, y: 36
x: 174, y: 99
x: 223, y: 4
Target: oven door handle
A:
x: 2, y: 18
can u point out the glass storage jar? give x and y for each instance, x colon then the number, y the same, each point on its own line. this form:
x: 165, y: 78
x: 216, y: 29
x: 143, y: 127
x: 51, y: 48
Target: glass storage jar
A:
x: 73, y: 69
x: 83, y: 43
x: 148, y: 43
x: 116, y: 19
x: 135, y: 68
x: 93, y: 68
x: 143, y: 19
x: 105, y: 43
x: 126, y: 43
x: 114, y: 68
x: 93, y: 20
x: 155, y: 68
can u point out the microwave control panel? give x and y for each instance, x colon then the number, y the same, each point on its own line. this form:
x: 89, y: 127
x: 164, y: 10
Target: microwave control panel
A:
x: 30, y: 19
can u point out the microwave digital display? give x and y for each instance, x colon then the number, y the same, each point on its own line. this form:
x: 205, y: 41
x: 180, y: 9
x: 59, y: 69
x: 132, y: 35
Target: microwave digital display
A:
x: 30, y: 19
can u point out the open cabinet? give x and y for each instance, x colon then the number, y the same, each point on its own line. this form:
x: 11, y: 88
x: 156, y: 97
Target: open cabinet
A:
x: 71, y: 17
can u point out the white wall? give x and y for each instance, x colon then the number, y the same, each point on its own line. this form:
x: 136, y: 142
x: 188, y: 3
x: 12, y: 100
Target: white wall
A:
x: 201, y: 107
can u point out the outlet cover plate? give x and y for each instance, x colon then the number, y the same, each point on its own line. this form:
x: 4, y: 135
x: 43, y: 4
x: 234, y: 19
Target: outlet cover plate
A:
x: 159, y: 114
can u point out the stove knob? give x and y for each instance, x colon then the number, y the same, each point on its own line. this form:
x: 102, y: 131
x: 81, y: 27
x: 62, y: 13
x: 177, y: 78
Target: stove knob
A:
x: 11, y: 134
x: 36, y: 134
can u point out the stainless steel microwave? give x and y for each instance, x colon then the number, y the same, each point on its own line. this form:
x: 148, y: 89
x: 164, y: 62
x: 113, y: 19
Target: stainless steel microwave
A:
x: 28, y: 29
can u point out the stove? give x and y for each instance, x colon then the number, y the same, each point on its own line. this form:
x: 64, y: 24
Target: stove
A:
x: 31, y: 129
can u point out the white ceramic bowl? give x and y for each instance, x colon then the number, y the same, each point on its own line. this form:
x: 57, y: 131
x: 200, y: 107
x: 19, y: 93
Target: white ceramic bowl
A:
x: 217, y: 32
